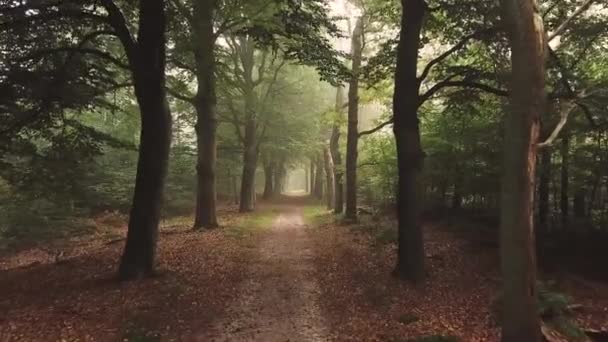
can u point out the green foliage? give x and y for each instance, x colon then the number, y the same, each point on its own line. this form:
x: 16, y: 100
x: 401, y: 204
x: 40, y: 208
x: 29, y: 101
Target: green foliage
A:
x: 246, y: 225
x: 316, y: 215
x: 378, y: 169
x: 551, y: 303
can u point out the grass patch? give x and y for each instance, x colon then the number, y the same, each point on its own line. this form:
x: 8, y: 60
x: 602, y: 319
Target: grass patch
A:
x: 177, y: 221
x: 251, y: 223
x: 316, y: 215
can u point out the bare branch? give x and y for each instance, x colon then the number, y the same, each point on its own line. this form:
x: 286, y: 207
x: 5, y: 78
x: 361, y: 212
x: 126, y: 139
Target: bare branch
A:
x: 448, y: 83
x: 560, y: 125
x: 561, y: 28
x: 456, y: 47
x: 376, y: 129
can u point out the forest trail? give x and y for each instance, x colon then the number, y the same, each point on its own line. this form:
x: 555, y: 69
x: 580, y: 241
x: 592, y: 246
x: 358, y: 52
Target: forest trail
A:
x: 279, y: 299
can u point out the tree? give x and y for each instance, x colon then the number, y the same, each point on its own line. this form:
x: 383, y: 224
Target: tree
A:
x: 329, y: 177
x: 525, y: 30
x: 203, y: 42
x: 147, y: 61
x: 352, y: 137
x: 410, y: 261
x: 334, y: 148
x: 103, y: 34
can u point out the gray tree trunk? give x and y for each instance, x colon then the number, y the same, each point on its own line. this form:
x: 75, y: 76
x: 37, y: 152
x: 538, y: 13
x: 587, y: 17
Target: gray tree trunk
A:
x: 352, y: 137
x: 520, y: 320
x: 205, y: 104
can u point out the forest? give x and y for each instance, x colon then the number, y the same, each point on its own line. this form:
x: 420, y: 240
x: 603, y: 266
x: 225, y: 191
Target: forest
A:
x: 304, y: 170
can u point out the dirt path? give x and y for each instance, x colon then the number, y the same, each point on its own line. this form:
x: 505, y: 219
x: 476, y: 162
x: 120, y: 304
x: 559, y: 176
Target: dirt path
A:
x: 279, y: 301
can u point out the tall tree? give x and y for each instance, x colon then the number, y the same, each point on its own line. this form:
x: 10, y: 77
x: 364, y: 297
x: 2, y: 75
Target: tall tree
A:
x: 526, y: 34
x: 352, y: 137
x: 203, y: 43
x: 195, y: 22
x: 320, y: 170
x: 147, y: 60
x: 334, y: 148
x: 410, y: 257
x: 564, y: 198
x: 329, y: 177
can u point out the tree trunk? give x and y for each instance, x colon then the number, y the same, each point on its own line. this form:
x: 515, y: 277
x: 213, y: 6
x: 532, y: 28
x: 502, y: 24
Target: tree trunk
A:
x: 329, y: 177
x: 307, y: 175
x: 334, y: 148
x: 338, y: 173
x: 520, y: 320
x: 205, y: 104
x: 235, y: 191
x: 457, y: 196
x: 269, y: 176
x: 543, y: 189
x: 352, y: 137
x: 313, y: 181
x: 279, y: 179
x: 410, y: 158
x: 250, y: 159
x: 564, y: 205
x: 579, y: 208
x: 319, y: 177
x: 148, y: 68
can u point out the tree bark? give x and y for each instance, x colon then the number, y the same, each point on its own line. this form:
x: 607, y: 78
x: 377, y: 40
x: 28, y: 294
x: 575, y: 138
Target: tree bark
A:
x: 410, y: 158
x: 564, y: 200
x: 307, y: 175
x: 457, y: 196
x: 520, y: 320
x: 235, y: 192
x: 250, y: 160
x: 279, y: 178
x: 313, y: 181
x: 334, y: 148
x: 352, y: 137
x: 250, y: 141
x: 269, y: 177
x: 329, y: 177
x: 148, y: 69
x: 543, y: 189
x: 205, y: 104
x: 319, y: 177
x: 578, y: 205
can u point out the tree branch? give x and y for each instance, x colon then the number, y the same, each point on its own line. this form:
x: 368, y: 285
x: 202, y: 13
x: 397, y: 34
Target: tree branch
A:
x: 561, y: 28
x: 118, y: 22
x: 569, y: 90
x: 447, y: 83
x: 447, y: 53
x: 179, y: 96
x: 375, y: 129
x: 560, y: 125
x: 75, y: 49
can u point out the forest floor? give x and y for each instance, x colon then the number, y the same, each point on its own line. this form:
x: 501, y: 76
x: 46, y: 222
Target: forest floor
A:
x: 288, y: 272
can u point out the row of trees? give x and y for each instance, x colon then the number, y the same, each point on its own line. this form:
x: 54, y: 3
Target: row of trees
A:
x: 232, y: 64
x: 78, y: 57
x: 472, y: 68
